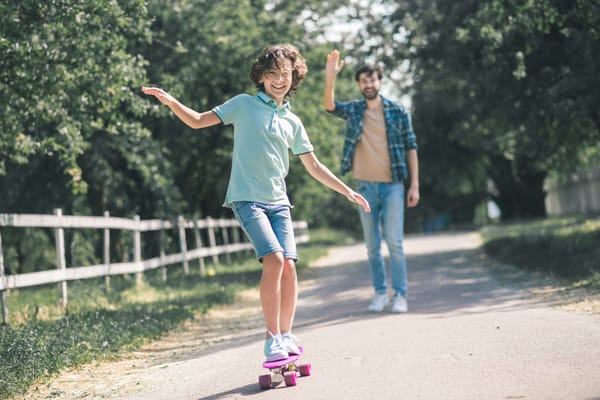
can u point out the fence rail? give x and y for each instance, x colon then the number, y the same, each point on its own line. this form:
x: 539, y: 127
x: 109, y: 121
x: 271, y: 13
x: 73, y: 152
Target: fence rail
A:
x: 229, y: 244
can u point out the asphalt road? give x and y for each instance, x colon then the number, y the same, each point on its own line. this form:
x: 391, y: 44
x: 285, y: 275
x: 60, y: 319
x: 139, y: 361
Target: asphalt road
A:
x: 470, y: 333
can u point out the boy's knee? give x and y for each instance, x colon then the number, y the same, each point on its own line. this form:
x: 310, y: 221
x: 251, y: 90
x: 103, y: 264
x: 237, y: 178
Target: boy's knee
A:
x: 289, y: 267
x: 274, y: 260
x: 289, y: 262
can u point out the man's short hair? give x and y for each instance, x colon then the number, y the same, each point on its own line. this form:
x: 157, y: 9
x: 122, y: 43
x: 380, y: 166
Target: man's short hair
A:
x: 369, y: 70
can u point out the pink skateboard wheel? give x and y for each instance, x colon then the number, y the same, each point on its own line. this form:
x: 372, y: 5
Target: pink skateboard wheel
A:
x: 264, y: 381
x: 304, y: 369
x: 291, y: 379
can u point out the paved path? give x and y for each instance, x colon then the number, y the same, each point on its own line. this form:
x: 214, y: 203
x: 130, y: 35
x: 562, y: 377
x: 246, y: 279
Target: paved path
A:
x: 469, y: 334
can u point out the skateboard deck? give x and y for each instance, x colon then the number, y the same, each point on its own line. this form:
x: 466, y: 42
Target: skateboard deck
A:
x: 286, y: 370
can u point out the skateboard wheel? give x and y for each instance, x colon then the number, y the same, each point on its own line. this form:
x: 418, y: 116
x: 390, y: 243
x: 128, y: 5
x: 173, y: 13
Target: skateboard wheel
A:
x: 264, y: 381
x: 304, y: 369
x: 290, y: 378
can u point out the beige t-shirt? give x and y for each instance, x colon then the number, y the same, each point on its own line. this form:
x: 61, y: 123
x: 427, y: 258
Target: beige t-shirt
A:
x: 372, y: 159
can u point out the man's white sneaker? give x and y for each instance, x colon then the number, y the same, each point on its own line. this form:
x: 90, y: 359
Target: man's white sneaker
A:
x: 399, y: 304
x: 379, y: 302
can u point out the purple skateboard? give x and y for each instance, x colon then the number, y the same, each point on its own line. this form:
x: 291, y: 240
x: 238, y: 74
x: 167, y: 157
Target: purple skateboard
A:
x: 287, y: 369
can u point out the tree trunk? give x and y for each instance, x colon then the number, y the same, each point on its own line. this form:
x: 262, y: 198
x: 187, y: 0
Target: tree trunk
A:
x: 520, y: 191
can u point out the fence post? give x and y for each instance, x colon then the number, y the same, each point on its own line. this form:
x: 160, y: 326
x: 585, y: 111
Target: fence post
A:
x: 61, y: 263
x: 198, y: 240
x: 183, y: 244
x: 239, y: 236
x: 137, y: 250
x: 3, y: 291
x: 107, y: 253
x: 163, y: 267
x: 211, y: 238
x: 225, y: 235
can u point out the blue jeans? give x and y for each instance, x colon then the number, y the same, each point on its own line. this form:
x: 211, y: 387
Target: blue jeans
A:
x: 385, y: 219
x: 268, y: 226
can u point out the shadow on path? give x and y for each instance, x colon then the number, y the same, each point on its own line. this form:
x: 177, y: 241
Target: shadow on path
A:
x: 441, y: 283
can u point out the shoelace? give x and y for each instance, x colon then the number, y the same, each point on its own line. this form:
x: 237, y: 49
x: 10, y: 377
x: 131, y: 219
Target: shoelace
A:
x: 290, y: 336
x: 277, y: 341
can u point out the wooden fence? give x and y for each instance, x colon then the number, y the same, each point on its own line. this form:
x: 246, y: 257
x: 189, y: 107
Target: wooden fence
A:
x: 232, y: 240
x: 580, y: 194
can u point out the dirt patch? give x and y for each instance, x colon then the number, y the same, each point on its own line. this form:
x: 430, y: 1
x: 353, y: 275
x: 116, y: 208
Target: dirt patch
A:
x: 571, y: 299
x: 546, y: 288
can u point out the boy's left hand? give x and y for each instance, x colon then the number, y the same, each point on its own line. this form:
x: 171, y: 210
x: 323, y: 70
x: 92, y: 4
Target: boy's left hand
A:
x: 361, y: 201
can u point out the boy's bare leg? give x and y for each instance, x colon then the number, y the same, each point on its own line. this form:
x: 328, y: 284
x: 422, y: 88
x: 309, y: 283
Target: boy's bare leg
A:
x: 289, y: 295
x: 270, y: 291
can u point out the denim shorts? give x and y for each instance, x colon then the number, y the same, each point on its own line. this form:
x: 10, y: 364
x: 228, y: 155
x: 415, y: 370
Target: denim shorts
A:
x: 268, y: 226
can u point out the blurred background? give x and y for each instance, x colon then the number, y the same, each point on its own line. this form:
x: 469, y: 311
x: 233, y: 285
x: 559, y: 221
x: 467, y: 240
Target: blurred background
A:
x: 503, y: 94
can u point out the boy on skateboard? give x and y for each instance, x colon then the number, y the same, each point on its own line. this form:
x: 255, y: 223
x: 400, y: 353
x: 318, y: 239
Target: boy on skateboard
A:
x: 265, y: 130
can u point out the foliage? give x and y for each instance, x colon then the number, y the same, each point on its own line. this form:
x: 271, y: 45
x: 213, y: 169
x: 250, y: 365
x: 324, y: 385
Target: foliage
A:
x: 564, y: 247
x: 503, y: 89
x: 39, y: 349
x: 500, y: 93
x: 69, y: 126
x: 43, y: 340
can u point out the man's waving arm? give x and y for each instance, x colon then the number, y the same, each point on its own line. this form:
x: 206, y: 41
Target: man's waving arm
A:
x: 332, y: 69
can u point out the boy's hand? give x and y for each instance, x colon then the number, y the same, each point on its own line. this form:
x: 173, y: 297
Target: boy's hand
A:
x: 160, y: 94
x: 361, y: 201
x: 334, y: 65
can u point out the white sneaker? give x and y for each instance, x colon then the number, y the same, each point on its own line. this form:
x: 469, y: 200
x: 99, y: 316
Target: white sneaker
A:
x: 274, y: 348
x: 289, y: 343
x: 379, y: 302
x: 399, y: 304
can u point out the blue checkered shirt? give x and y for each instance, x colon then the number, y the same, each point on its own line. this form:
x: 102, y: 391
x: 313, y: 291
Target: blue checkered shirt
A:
x: 399, y: 133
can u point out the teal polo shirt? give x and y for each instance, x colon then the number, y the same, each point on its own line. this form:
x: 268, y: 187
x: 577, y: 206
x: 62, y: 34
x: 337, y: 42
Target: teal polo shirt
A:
x: 263, y: 135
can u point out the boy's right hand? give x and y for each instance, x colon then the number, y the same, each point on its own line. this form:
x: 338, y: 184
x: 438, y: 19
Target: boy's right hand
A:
x: 160, y: 94
x: 334, y: 65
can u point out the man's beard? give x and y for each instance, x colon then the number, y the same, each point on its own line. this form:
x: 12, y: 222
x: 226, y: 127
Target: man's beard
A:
x: 372, y: 95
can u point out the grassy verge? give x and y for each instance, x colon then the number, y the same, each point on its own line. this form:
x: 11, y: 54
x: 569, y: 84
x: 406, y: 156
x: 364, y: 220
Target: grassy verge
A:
x: 43, y: 339
x: 567, y: 248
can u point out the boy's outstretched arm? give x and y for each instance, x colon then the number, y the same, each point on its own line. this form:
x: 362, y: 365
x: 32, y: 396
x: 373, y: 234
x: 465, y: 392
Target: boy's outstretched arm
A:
x: 191, y: 118
x: 327, y: 178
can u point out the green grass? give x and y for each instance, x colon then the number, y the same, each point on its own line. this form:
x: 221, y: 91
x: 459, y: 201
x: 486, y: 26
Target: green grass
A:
x: 44, y: 339
x: 567, y: 248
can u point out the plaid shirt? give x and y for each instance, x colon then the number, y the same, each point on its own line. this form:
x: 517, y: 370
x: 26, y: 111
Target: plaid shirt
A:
x: 399, y: 133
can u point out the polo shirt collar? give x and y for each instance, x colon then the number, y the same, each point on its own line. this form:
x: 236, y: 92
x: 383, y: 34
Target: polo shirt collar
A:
x: 267, y: 100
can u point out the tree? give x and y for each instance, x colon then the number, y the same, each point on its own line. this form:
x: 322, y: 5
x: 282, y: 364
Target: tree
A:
x: 503, y: 85
x: 71, y: 118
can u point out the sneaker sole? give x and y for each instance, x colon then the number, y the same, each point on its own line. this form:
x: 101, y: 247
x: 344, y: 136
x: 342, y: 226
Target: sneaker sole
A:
x: 277, y: 358
x: 375, y: 311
